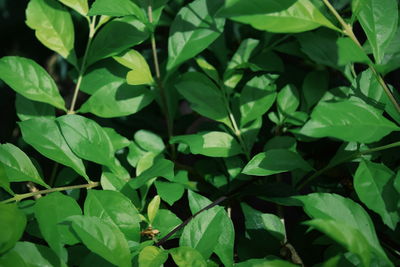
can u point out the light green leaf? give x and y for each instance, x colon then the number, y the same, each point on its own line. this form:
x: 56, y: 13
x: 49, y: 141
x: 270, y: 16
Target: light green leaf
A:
x: 256, y: 98
x: 46, y: 137
x: 242, y: 55
x: 50, y: 211
x: 135, y: 154
x: 212, y: 144
x: 118, y: 141
x: 349, y: 121
x: 17, y: 166
x: 12, y: 226
x: 115, y: 37
x: 378, y: 19
x: 288, y: 100
x: 140, y: 71
x: 28, y: 109
x: 53, y: 26
x: 284, y: 16
x: 169, y: 192
x: 187, y: 256
x: 117, y: 100
x: 204, y: 96
x: 102, y: 238
x: 373, y: 183
x: 29, y: 79
x: 26, y: 254
x: 193, y: 30
x: 275, y: 161
x: 114, y: 208
x: 116, y: 8
x: 149, y: 141
x: 152, y: 208
x: 152, y: 257
x: 80, y: 6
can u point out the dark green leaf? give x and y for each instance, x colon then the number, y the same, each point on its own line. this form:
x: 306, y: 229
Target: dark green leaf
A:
x: 350, y: 52
x: 165, y: 221
x: 116, y: 8
x: 193, y: 30
x: 12, y: 226
x: 28, y: 109
x: 162, y: 167
x: 29, y: 79
x: 265, y: 263
x: 50, y: 211
x: 45, y: 136
x: 315, y: 85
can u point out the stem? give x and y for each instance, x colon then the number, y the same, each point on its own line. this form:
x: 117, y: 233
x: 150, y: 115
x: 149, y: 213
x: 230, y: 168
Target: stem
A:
x: 92, y: 31
x: 347, y: 29
x: 20, y: 197
x: 350, y: 157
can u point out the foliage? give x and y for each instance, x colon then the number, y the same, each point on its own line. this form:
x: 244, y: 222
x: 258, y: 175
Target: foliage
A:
x: 202, y: 133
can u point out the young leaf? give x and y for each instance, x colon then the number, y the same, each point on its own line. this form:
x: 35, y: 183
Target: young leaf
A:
x: 80, y: 6
x: 29, y: 79
x: 349, y: 121
x: 140, y: 71
x: 152, y: 209
x: 116, y: 8
x: 277, y: 15
x: 104, y: 239
x: 17, y: 166
x: 152, y: 256
x: 193, y: 30
x: 117, y: 100
x: 275, y: 161
x: 374, y: 186
x: 204, y: 96
x: 50, y: 211
x: 28, y: 109
x: 12, y: 226
x: 378, y: 19
x: 45, y: 136
x: 114, y: 208
x: 187, y: 256
x: 212, y: 144
x: 115, y: 37
x: 256, y: 98
x: 53, y: 26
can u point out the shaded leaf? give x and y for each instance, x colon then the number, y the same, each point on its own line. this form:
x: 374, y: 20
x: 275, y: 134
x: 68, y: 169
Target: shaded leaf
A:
x: 116, y: 8
x: 28, y: 109
x: 12, y: 226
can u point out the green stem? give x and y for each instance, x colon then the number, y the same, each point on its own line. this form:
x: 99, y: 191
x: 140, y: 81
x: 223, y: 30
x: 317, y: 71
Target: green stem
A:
x: 350, y: 157
x: 348, y: 30
x: 92, y: 31
x: 20, y: 197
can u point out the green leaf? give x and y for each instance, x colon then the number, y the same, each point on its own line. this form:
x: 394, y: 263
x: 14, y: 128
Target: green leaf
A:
x: 257, y: 97
x: 204, y: 96
x: 209, y: 69
x: 275, y: 161
x: 118, y: 141
x: 349, y: 237
x: 152, y: 208
x: 152, y: 257
x: 29, y: 79
x: 373, y: 183
x: 335, y: 119
x: 26, y: 254
x: 378, y: 19
x: 114, y: 208
x: 117, y: 100
x: 288, y: 100
x: 315, y: 85
x: 135, y: 154
x: 102, y: 238
x: 140, y: 71
x: 350, y: 52
x: 169, y: 192
x: 212, y: 144
x: 149, y: 141
x: 17, y: 166
x: 165, y: 221
x: 53, y: 26
x: 116, y: 8
x: 46, y: 137
x: 265, y: 263
x: 50, y: 211
x: 28, y: 109
x: 12, y: 226
x: 193, y: 30
x: 242, y: 55
x: 87, y: 139
x: 115, y: 37
x: 187, y: 256
x: 277, y: 15
x: 80, y: 6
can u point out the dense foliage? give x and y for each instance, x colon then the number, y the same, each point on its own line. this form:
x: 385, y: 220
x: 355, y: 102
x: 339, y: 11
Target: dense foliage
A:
x: 200, y: 133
